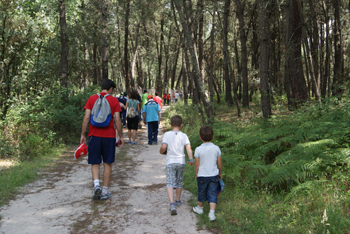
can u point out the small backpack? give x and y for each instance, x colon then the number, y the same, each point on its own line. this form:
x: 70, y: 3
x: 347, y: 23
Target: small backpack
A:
x: 131, y: 113
x: 101, y: 112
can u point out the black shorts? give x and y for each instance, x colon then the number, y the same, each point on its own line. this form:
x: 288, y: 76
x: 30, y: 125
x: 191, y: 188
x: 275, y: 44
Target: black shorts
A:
x: 133, y: 123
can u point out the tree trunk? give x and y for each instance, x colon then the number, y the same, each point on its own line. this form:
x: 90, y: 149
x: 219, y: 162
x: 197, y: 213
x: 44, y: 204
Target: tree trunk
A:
x: 197, y: 74
x: 294, y: 77
x: 166, y: 71
x: 327, y: 59
x: 200, y: 38
x: 135, y: 53
x: 338, y: 60
x: 211, y: 75
x: 104, y: 50
x: 126, y: 37
x: 264, y: 63
x: 160, y: 57
x: 64, y: 45
x: 244, y: 58
x: 229, y: 99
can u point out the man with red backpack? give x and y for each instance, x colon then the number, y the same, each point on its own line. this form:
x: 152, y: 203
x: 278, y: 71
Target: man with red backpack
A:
x: 102, y: 140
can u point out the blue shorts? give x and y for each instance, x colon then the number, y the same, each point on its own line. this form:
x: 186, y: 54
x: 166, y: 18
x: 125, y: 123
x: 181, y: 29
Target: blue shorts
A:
x: 101, y: 148
x: 207, y: 189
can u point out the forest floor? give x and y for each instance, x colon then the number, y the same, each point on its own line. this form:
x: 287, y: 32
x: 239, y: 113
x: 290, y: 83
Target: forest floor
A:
x: 61, y: 201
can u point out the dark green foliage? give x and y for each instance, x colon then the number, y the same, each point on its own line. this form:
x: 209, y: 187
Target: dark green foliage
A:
x: 32, y: 127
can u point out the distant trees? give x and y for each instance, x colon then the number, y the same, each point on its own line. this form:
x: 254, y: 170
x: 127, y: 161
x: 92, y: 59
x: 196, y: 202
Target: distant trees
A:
x: 216, y: 49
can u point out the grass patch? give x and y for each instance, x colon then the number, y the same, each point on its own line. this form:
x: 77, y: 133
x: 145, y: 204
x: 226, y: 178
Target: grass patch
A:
x: 21, y: 173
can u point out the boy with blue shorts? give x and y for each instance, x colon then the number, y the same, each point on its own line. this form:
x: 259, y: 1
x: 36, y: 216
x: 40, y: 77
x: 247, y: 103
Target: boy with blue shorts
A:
x: 207, y: 172
x: 173, y: 146
x: 102, y: 141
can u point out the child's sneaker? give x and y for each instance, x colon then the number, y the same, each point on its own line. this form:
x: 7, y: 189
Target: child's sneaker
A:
x: 198, y: 210
x: 106, y: 196
x: 97, y: 193
x: 173, y: 209
x: 178, y: 203
x: 212, y: 217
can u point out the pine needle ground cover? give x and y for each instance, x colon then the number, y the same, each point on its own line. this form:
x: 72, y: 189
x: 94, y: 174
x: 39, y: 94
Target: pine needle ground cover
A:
x: 288, y: 175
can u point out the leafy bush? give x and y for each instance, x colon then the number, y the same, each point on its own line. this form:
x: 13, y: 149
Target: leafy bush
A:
x: 33, y: 125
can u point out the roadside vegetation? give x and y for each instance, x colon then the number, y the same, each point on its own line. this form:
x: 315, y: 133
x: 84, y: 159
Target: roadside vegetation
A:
x: 287, y: 175
x: 34, y: 134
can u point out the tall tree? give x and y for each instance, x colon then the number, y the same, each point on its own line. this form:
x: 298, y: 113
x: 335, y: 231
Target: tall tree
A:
x: 264, y: 57
x: 126, y: 38
x: 228, y: 94
x: 64, y: 44
x: 197, y: 74
x: 338, y: 58
x: 244, y: 56
x: 294, y: 78
x: 104, y: 41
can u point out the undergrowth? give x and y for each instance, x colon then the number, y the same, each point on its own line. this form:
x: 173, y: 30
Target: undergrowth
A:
x: 287, y: 175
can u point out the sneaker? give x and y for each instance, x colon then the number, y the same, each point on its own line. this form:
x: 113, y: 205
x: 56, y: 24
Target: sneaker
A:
x: 155, y: 143
x: 173, y: 210
x: 198, y: 210
x: 212, y: 217
x: 97, y: 193
x: 106, y: 196
x: 177, y: 203
x: 129, y: 142
x: 133, y: 143
x: 124, y: 126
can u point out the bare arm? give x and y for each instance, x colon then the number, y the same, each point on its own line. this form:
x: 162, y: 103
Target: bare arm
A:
x: 196, y: 167
x: 163, y: 148
x: 118, y: 124
x: 190, y: 155
x: 220, y: 167
x: 86, y: 121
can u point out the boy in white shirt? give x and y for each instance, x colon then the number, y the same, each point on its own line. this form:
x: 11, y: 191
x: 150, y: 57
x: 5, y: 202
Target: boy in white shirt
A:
x: 173, y: 146
x: 207, y: 172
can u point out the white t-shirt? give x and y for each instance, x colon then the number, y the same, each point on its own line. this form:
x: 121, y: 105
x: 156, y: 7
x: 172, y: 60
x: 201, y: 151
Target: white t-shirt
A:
x: 208, y: 154
x: 176, y: 141
x: 176, y: 95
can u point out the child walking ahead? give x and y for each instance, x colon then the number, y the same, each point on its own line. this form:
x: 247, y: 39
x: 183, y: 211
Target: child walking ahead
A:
x: 173, y: 146
x: 207, y: 172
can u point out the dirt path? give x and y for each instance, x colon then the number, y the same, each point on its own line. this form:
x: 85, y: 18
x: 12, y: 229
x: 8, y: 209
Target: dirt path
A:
x: 61, y: 202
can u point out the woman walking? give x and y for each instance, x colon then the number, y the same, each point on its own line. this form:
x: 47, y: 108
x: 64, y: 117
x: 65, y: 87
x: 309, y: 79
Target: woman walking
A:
x: 133, y: 110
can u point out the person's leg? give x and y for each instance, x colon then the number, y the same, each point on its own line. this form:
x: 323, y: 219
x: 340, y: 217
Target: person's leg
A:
x: 212, y: 196
x: 212, y: 205
x: 155, y: 126
x: 178, y: 194
x: 180, y: 169
x: 202, y: 184
x: 170, y: 192
x: 129, y: 134
x: 107, y: 174
x: 134, y: 132
x: 95, y: 171
x: 150, y: 132
x: 124, y: 117
x: 108, y: 156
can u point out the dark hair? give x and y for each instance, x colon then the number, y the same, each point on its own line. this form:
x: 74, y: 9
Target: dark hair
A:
x: 206, y: 133
x: 145, y: 91
x: 133, y: 94
x: 176, y: 121
x: 157, y: 94
x: 107, y: 84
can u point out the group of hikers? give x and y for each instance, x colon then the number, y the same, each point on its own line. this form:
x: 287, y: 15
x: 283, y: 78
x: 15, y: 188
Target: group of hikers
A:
x: 103, y: 141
